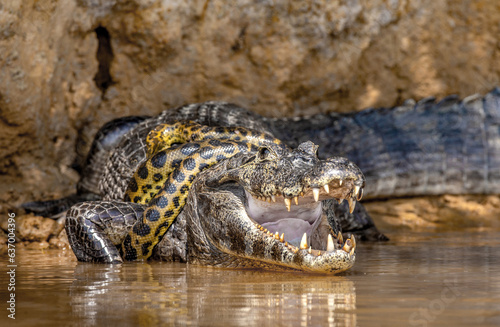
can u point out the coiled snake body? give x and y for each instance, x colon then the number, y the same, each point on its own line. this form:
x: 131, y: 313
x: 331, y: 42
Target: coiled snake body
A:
x: 163, y: 181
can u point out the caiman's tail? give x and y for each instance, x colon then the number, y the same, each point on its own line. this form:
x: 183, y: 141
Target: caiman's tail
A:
x: 56, y: 208
x: 424, y: 148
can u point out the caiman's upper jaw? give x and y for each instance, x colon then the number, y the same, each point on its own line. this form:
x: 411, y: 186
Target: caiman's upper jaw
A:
x: 340, y: 190
x: 332, y: 178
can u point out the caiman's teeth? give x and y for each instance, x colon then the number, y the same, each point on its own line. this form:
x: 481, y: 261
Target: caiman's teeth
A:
x: 316, y: 193
x: 352, y: 204
x: 273, y: 198
x: 303, y: 242
x: 282, y: 237
x: 347, y: 246
x: 296, y: 199
x: 353, y: 244
x: 340, y: 182
x: 310, y: 250
x: 288, y: 203
x: 327, y: 189
x: 356, y: 190
x: 340, y: 200
x: 268, y: 199
x: 360, y: 195
x: 330, y: 247
x: 340, y: 238
x: 277, y: 236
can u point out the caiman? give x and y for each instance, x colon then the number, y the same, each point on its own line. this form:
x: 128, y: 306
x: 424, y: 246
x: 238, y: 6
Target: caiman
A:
x: 229, y: 196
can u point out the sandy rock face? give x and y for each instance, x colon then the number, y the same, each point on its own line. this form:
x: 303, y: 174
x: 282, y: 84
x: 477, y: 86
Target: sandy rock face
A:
x: 68, y: 66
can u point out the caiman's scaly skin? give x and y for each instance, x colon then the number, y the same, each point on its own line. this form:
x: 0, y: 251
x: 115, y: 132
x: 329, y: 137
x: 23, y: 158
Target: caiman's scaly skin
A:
x: 416, y: 149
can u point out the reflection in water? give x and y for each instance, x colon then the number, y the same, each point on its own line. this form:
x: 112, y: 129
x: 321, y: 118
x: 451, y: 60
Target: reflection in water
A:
x: 154, y: 293
x: 416, y: 279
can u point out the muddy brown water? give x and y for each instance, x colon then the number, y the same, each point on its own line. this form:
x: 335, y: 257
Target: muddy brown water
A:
x: 416, y: 279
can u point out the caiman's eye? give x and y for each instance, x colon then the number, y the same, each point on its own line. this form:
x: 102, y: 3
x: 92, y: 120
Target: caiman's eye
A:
x: 264, y: 153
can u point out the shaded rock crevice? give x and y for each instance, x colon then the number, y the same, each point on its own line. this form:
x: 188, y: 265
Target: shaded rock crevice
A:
x: 103, y: 79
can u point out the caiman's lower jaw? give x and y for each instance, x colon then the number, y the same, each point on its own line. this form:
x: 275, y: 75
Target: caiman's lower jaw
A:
x: 296, y: 225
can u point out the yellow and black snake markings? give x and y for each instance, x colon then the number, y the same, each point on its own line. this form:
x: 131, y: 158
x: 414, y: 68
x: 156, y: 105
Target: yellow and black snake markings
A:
x: 164, y: 179
x: 164, y: 135
x: 150, y: 177
x: 164, y: 159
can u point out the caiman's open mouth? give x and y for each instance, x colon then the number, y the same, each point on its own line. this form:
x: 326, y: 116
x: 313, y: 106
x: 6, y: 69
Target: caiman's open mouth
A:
x: 297, y: 228
x: 296, y: 221
x: 272, y: 214
x: 281, y: 232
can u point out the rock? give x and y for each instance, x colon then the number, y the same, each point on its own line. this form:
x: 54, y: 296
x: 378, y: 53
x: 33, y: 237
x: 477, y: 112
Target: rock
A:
x: 3, y: 242
x: 60, y: 242
x: 38, y: 245
x: 442, y: 212
x: 34, y: 228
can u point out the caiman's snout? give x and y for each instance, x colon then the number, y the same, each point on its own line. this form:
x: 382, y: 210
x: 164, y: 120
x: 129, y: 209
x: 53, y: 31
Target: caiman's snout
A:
x: 301, y: 177
x: 277, y: 206
x: 339, y: 178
